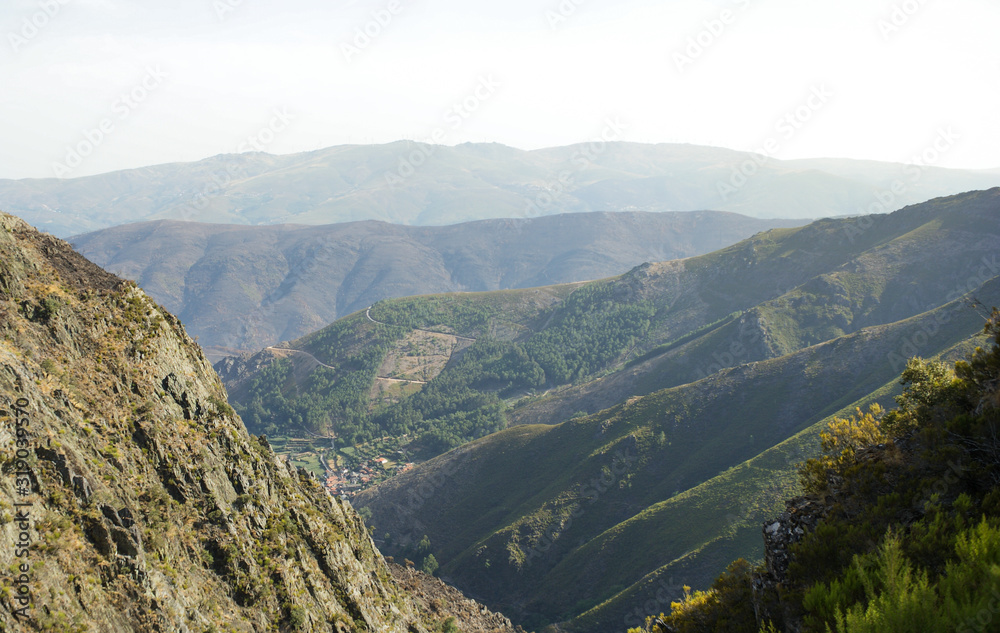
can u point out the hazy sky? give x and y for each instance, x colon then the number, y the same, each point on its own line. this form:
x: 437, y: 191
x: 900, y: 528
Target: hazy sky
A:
x: 187, y: 79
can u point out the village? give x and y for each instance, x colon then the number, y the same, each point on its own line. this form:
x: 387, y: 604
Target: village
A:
x: 346, y: 471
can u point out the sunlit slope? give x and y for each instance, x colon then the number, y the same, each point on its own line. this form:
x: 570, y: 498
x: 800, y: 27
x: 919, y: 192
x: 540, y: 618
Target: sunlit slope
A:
x: 598, y: 500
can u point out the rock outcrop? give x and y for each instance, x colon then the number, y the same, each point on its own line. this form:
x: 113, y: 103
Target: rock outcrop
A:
x: 131, y: 496
x: 801, y: 516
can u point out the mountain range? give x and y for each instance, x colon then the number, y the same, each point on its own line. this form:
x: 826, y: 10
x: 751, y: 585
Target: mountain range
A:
x: 666, y: 407
x: 614, y: 441
x: 415, y: 184
x: 241, y: 288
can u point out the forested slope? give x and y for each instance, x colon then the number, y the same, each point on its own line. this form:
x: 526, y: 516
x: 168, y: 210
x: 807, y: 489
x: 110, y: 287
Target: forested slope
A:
x: 454, y: 367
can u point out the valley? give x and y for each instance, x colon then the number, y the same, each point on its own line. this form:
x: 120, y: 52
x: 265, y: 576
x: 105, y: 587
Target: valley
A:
x: 678, y: 381
x: 503, y: 317
x: 573, y: 455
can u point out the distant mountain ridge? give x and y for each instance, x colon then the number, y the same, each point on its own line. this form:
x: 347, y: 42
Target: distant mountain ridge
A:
x: 477, y: 181
x: 244, y: 288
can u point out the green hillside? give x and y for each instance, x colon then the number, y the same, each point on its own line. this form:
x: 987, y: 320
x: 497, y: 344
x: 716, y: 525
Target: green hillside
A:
x: 549, y: 522
x: 727, y: 511
x: 327, y: 385
x: 510, y: 516
x: 242, y: 288
x: 898, y: 526
x: 450, y: 368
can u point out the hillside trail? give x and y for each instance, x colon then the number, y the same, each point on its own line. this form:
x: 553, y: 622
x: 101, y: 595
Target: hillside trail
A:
x: 284, y: 351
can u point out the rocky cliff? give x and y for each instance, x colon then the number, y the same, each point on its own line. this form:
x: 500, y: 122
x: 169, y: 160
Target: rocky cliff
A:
x: 131, y: 496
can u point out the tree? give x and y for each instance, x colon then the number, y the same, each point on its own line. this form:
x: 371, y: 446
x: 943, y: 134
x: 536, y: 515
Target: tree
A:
x: 430, y: 565
x: 981, y: 372
x: 928, y: 385
x: 424, y: 545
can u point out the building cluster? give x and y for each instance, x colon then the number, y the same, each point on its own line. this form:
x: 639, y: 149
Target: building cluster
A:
x: 347, y: 482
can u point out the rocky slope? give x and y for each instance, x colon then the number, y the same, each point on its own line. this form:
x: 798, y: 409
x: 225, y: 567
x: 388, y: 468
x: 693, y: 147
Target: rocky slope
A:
x: 132, y: 497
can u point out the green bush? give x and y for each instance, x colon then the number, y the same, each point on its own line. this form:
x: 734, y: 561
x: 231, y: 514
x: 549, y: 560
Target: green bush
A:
x: 841, y: 442
x: 727, y: 607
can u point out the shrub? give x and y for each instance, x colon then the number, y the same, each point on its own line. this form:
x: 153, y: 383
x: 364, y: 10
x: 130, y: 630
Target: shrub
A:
x: 841, y: 442
x: 297, y: 617
x: 725, y: 608
x: 899, y: 597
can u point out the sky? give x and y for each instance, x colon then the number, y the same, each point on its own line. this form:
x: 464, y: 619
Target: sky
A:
x: 92, y: 86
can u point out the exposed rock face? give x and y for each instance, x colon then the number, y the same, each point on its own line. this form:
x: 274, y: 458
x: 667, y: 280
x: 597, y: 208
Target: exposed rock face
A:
x: 801, y: 517
x: 132, y: 497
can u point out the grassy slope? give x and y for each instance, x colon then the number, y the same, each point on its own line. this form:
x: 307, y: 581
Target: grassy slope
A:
x: 726, y: 512
x: 523, y: 482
